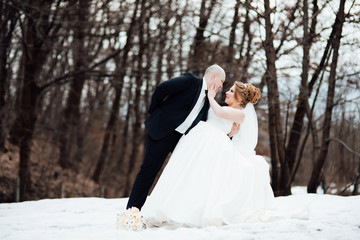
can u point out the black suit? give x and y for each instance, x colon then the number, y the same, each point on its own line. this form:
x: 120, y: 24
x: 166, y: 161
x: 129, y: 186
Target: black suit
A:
x: 171, y: 103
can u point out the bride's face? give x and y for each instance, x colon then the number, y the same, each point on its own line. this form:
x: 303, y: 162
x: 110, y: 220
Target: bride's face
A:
x: 230, y: 97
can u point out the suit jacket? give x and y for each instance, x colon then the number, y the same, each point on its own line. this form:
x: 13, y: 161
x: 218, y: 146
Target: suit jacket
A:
x: 172, y: 102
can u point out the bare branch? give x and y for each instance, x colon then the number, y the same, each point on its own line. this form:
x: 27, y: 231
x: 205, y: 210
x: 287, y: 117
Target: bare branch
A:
x: 345, y: 146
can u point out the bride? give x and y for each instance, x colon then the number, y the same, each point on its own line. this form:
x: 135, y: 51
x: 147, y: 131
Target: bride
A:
x: 211, y: 179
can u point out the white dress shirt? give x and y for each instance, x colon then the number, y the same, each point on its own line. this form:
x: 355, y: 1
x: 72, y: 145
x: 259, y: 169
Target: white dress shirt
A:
x: 195, y: 111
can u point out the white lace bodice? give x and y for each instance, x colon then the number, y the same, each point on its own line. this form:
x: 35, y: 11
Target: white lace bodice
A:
x: 246, y: 139
x: 220, y: 123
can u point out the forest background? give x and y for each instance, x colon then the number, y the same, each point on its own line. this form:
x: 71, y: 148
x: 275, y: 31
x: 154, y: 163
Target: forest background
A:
x: 76, y: 79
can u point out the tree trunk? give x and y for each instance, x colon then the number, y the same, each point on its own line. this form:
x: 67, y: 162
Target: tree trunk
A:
x: 179, y: 18
x: 125, y: 132
x: 9, y: 18
x: 231, y: 67
x: 245, y: 61
x: 357, y: 181
x: 297, y: 126
x: 236, y: 18
x: 69, y: 125
x: 108, y: 131
x: 305, y: 88
x: 137, y: 124
x: 163, y: 31
x: 303, y: 105
x: 196, y: 60
x: 22, y: 130
x: 275, y: 126
x: 148, y: 76
x: 318, y: 168
x: 246, y: 28
x: 121, y: 68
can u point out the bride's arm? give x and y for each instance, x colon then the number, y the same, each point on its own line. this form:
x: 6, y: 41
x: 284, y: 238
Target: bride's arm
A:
x: 232, y: 114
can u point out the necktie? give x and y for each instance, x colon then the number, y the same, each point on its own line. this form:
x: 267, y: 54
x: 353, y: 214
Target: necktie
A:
x: 201, y: 113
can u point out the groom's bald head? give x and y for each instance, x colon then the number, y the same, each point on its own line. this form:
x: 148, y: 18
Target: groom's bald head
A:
x: 215, y: 69
x: 215, y: 75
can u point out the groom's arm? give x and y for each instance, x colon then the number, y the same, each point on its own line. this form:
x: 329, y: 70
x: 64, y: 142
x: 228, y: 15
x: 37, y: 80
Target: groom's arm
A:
x: 170, y: 87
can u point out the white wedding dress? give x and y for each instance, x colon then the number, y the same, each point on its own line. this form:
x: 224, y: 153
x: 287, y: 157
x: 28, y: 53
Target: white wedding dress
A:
x: 212, y: 180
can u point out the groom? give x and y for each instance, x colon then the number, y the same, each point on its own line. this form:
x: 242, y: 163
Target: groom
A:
x: 177, y: 105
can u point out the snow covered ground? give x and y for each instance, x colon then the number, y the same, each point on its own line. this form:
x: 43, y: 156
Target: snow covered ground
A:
x: 331, y: 217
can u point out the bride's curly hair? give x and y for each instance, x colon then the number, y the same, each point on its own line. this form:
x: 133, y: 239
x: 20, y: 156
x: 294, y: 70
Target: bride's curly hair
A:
x: 245, y: 93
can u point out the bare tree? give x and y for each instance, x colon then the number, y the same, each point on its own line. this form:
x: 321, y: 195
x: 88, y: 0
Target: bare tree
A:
x: 232, y: 68
x: 163, y: 33
x: 36, y: 31
x: 196, y: 64
x: 317, y: 170
x: 293, y: 146
x: 69, y: 124
x: 118, y: 84
x: 275, y: 124
x: 8, y: 19
x: 305, y: 88
x: 137, y: 131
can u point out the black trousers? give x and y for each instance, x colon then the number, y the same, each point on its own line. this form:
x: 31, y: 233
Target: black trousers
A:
x: 155, y: 155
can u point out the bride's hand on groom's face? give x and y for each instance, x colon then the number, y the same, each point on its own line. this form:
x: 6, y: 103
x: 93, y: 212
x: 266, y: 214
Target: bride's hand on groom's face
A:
x: 212, y: 91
